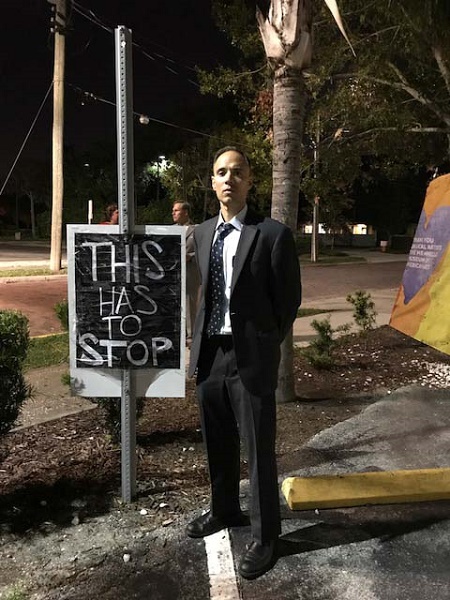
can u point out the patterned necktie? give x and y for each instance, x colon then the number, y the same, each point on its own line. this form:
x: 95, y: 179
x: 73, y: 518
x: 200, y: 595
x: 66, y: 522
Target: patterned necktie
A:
x: 217, y: 281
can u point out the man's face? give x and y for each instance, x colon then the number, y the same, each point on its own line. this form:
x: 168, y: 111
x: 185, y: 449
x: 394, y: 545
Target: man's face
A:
x: 179, y: 214
x: 231, y: 180
x: 115, y: 217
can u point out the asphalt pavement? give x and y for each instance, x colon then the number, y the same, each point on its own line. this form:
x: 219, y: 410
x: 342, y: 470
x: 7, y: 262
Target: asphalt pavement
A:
x: 384, y: 552
x: 23, y: 253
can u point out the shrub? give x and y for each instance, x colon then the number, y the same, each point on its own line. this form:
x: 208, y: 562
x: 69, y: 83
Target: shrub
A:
x: 320, y: 352
x: 14, y: 340
x: 62, y: 312
x: 363, y: 310
x: 111, y: 409
x: 14, y: 337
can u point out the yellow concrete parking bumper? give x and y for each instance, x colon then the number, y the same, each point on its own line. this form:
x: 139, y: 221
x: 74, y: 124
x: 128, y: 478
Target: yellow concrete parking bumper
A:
x: 357, y: 489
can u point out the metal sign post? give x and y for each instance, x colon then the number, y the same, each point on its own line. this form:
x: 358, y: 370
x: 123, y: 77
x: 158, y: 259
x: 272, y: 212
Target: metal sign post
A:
x: 127, y: 290
x: 125, y: 172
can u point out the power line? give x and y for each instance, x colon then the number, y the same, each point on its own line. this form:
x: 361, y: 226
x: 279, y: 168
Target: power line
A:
x: 145, y: 119
x: 154, y: 56
x: 88, y: 14
x: 26, y: 138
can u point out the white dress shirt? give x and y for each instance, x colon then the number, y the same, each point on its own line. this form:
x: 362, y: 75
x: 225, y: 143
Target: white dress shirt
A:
x: 229, y: 251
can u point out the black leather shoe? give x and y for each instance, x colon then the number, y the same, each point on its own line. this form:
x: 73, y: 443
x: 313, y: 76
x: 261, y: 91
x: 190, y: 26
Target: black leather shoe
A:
x: 258, y: 559
x: 207, y: 524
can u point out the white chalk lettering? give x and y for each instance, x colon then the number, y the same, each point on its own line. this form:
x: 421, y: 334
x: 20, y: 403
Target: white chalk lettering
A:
x: 123, y: 301
x: 137, y: 323
x: 137, y: 351
x: 159, y: 344
x: 126, y: 264
x: 140, y: 291
x: 131, y: 264
x: 103, y: 302
x: 96, y: 358
x: 109, y: 345
x: 110, y: 320
x: 93, y: 246
x: 127, y: 276
x: 149, y: 273
x: 136, y: 262
x: 138, y: 362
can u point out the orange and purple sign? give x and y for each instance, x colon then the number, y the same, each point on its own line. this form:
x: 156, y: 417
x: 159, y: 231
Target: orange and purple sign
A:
x: 421, y: 307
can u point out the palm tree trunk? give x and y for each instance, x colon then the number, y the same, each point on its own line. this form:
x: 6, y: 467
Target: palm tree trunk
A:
x: 289, y: 96
x: 289, y: 100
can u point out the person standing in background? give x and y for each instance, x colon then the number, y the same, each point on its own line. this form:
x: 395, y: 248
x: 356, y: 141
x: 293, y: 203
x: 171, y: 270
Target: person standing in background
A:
x: 111, y: 215
x: 250, y: 293
x: 181, y: 215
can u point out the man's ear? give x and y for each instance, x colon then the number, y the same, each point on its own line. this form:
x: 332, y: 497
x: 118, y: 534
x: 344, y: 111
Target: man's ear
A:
x: 213, y: 182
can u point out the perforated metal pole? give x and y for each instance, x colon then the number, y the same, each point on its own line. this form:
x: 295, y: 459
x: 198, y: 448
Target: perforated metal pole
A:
x: 125, y: 172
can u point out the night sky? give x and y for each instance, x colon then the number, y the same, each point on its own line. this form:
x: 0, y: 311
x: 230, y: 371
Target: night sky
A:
x: 176, y: 35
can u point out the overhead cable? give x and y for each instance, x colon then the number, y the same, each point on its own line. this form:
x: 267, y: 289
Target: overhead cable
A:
x: 26, y: 138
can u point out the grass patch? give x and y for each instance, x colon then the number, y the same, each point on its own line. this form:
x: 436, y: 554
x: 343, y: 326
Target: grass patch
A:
x: 47, y: 351
x: 16, y: 593
x: 332, y: 260
x: 308, y: 312
x: 29, y: 271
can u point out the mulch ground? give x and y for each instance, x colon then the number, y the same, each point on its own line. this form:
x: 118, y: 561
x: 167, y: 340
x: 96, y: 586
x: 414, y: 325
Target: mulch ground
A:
x: 70, y: 468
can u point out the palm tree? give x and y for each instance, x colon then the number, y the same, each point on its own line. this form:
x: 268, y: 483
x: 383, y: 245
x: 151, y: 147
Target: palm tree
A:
x: 286, y: 34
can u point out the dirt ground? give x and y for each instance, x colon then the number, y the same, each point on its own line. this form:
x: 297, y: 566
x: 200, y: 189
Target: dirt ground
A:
x: 60, y: 507
x: 36, y: 298
x: 61, y: 516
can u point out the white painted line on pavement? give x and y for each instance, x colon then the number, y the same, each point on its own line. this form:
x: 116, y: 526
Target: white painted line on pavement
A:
x: 222, y: 576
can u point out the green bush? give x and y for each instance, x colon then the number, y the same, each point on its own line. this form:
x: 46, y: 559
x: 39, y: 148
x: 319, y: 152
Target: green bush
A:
x: 14, y: 340
x: 14, y: 337
x: 62, y: 312
x: 364, y: 312
x: 111, y: 409
x: 320, y: 352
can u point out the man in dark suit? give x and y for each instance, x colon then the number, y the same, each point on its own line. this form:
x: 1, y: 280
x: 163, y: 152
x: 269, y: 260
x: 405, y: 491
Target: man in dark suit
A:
x: 250, y: 294
x: 181, y: 215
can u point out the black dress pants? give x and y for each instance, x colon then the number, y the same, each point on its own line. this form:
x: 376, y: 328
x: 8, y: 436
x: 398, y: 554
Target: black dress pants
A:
x: 229, y: 412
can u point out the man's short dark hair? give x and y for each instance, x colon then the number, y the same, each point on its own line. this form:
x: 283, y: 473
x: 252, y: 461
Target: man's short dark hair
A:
x: 231, y: 149
x: 184, y: 205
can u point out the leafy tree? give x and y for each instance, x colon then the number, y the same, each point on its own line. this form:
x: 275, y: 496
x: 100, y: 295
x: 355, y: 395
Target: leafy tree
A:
x: 31, y: 188
x: 388, y: 106
x: 286, y: 30
x: 89, y: 176
x: 395, y: 94
x: 285, y: 27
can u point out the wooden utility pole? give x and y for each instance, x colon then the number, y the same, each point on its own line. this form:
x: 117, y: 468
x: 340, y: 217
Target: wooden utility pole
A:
x: 58, y: 129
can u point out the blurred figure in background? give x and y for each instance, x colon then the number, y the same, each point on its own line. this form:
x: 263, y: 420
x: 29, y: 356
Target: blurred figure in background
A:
x: 111, y: 215
x: 181, y: 216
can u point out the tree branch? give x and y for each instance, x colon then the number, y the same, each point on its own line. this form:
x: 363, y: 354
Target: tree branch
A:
x: 420, y: 97
x: 443, y: 68
x: 402, y: 85
x: 423, y: 130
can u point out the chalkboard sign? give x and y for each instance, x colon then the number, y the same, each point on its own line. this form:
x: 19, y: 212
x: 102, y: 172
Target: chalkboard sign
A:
x: 127, y: 300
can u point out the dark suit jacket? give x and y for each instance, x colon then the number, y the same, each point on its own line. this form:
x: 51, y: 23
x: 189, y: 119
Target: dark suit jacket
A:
x: 265, y: 296
x: 192, y: 277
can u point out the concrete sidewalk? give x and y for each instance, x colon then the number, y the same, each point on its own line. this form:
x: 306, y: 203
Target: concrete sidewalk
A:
x: 52, y: 398
x: 340, y: 312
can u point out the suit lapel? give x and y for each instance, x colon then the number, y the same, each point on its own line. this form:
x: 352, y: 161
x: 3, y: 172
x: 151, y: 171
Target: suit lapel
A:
x: 204, y: 247
x: 245, y: 242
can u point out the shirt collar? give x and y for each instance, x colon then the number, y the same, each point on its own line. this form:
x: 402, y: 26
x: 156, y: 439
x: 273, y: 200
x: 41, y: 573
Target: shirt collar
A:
x: 237, y: 221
